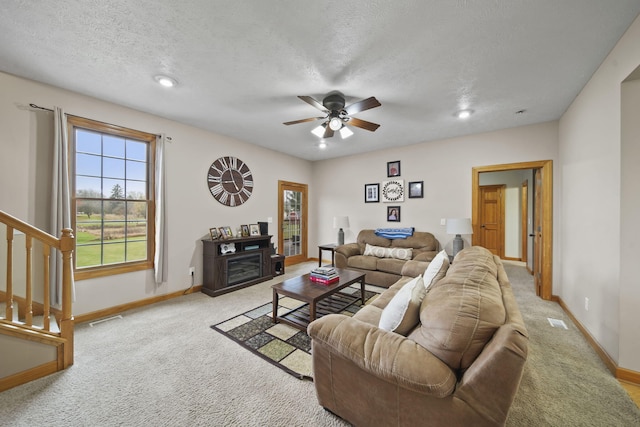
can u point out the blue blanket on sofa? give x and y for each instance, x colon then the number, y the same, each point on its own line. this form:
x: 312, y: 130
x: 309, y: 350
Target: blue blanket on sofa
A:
x: 394, y: 233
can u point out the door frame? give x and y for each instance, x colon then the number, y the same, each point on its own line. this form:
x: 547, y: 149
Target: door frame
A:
x: 524, y: 224
x: 304, y: 220
x: 546, y: 166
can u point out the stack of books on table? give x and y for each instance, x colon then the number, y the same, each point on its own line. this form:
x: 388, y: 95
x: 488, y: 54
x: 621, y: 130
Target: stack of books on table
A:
x: 324, y: 275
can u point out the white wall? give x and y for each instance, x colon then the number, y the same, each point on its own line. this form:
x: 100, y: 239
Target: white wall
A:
x: 588, y: 253
x: 445, y: 167
x: 18, y: 355
x: 191, y: 210
x: 630, y: 226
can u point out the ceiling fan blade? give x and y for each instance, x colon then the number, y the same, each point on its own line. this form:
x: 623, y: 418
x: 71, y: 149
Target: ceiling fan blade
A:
x: 363, y: 124
x: 328, y: 132
x: 310, y: 119
x: 309, y: 100
x: 365, y: 104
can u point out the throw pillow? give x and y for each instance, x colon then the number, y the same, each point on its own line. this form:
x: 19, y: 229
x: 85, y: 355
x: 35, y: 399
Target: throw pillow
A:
x: 436, y: 269
x: 402, y: 313
x: 381, y: 252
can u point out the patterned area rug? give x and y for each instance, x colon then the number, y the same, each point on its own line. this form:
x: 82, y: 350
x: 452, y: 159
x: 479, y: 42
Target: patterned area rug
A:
x: 282, y: 345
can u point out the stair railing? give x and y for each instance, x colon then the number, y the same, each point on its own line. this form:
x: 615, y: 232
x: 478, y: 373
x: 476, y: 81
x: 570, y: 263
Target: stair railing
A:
x: 63, y: 316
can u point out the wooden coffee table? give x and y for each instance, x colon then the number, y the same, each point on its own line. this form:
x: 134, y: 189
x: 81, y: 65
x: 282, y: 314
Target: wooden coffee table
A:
x: 321, y: 299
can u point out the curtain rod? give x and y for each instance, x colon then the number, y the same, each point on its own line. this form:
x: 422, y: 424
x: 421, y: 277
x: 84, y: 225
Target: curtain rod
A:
x: 168, y: 138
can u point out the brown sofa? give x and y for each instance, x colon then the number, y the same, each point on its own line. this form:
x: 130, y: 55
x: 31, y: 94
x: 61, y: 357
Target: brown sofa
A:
x: 381, y: 271
x: 461, y: 364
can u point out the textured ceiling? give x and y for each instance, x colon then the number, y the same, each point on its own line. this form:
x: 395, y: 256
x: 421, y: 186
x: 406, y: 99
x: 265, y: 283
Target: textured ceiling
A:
x: 241, y: 64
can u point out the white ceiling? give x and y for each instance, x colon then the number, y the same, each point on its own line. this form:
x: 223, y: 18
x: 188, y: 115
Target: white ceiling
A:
x: 241, y: 64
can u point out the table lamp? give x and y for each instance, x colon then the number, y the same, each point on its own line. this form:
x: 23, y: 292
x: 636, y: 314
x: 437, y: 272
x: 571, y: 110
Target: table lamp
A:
x: 458, y: 226
x: 340, y: 222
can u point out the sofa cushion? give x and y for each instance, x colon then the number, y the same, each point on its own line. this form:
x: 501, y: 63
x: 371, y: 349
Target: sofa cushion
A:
x: 371, y: 312
x: 436, y: 269
x: 382, y: 252
x: 402, y: 313
x: 461, y: 312
x: 370, y: 237
x: 363, y: 262
x: 384, y: 298
x: 390, y: 265
x: 420, y: 240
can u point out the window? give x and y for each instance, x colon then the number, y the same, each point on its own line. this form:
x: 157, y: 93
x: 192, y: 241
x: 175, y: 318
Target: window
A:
x: 112, y: 187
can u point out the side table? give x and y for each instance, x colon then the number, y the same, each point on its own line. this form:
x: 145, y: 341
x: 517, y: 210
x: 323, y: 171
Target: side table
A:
x: 328, y: 247
x: 277, y: 264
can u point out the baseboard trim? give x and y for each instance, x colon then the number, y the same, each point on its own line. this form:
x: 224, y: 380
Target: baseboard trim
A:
x: 99, y: 314
x: 29, y: 375
x: 619, y: 373
x: 628, y: 375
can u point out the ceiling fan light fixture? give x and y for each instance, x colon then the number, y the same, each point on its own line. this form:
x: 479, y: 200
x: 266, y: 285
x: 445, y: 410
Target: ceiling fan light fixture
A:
x: 345, y: 132
x: 335, y: 123
x: 318, y: 131
x: 165, y: 81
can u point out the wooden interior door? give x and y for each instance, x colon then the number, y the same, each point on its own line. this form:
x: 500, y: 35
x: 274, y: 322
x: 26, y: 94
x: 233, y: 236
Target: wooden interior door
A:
x: 292, y: 221
x: 491, y: 216
x: 537, y: 232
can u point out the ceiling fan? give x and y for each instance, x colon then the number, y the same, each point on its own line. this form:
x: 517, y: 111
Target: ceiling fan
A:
x: 337, y: 116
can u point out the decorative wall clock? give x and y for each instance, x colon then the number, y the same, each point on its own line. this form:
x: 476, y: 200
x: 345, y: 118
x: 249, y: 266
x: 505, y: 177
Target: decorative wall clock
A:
x: 393, y: 190
x: 230, y: 181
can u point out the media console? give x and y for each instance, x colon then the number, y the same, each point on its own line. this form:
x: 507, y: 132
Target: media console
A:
x: 225, y: 270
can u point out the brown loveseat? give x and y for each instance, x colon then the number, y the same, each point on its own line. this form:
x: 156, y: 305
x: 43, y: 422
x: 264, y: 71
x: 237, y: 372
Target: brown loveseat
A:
x: 461, y: 364
x: 384, y: 271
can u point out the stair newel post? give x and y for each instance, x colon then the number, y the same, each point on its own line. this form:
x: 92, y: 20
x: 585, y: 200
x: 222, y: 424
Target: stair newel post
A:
x: 66, y: 324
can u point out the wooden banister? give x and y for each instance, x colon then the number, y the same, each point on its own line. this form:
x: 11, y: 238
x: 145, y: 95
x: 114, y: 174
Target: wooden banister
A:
x: 65, y: 245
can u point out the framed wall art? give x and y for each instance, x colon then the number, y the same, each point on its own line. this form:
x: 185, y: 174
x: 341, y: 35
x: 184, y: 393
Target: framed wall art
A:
x: 393, y: 191
x: 393, y: 168
x: 371, y: 193
x: 393, y: 213
x: 416, y: 189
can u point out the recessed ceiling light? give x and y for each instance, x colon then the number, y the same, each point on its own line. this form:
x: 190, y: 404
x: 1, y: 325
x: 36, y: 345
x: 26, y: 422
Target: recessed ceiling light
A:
x: 166, y: 81
x: 322, y: 145
x: 464, y: 114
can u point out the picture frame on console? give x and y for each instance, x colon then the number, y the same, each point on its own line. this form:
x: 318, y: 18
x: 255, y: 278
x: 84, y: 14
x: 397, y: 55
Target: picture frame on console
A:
x: 254, y: 230
x: 393, y: 213
x: 416, y: 189
x: 393, y: 168
x: 213, y: 232
x: 225, y: 232
x: 371, y: 193
x: 245, y: 230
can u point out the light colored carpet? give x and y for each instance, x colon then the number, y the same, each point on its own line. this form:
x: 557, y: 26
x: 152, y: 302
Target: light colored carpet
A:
x: 162, y: 365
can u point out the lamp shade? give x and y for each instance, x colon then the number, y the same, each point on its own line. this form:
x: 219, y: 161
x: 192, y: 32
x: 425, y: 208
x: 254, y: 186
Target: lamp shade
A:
x: 459, y: 226
x: 340, y: 222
